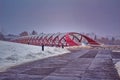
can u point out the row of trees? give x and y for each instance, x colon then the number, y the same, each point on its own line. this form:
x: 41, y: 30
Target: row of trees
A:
x: 11, y: 36
x: 25, y: 33
x: 111, y: 41
x: 105, y: 40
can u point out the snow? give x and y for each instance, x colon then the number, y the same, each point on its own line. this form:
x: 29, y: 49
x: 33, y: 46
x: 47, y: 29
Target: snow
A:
x: 12, y: 54
x: 117, y: 66
x: 115, y: 50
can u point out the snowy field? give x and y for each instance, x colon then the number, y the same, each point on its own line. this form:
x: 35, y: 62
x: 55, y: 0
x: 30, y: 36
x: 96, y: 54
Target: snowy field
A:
x: 117, y: 65
x: 12, y: 54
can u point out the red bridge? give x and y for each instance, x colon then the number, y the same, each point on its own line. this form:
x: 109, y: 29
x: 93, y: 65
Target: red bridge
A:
x: 58, y: 39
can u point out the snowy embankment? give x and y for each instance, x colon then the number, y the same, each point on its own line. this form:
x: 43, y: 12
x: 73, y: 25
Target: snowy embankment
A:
x: 117, y: 65
x: 12, y: 54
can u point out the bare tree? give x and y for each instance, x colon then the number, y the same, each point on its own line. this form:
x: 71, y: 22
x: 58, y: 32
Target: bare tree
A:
x: 95, y: 37
x: 1, y: 36
x: 25, y: 33
x: 113, y: 39
x: 34, y: 32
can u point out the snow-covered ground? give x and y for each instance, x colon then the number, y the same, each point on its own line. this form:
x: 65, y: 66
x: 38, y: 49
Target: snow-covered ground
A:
x: 117, y: 65
x: 115, y: 50
x: 12, y: 54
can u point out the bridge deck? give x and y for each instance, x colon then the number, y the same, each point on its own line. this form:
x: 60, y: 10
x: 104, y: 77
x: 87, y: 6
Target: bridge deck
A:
x: 80, y: 65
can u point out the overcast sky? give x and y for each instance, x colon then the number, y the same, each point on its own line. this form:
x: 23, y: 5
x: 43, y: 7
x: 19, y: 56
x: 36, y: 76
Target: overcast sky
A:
x: 99, y: 16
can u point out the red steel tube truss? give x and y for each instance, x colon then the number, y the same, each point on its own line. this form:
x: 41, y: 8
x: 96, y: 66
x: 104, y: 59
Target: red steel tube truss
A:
x: 58, y: 39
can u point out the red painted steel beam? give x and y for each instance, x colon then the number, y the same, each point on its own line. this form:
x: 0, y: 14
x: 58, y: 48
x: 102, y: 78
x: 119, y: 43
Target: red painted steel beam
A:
x: 57, y: 40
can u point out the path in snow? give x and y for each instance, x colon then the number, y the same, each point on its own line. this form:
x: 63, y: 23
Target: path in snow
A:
x: 81, y: 65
